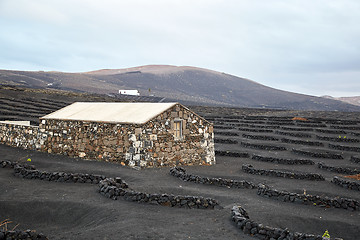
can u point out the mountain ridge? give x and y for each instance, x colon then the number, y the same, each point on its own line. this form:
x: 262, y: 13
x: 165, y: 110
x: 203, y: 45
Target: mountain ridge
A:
x: 182, y: 83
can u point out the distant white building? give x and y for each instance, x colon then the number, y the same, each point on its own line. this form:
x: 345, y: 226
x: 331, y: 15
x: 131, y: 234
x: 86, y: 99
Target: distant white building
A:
x: 129, y: 92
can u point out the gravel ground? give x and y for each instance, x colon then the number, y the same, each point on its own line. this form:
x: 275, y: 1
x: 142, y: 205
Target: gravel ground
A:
x: 78, y: 211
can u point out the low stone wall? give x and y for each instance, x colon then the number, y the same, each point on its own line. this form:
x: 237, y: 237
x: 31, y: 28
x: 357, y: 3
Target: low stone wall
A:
x: 222, y: 127
x: 255, y: 130
x: 351, y: 171
x: 309, y: 143
x: 312, y: 125
x: 356, y: 128
x: 291, y: 134
x: 24, y: 172
x: 355, y: 159
x: 181, y: 173
x: 262, y: 126
x: 330, y: 131
x: 262, y: 147
x: 353, y: 185
x: 275, y: 173
x: 337, y: 139
x: 226, y: 133
x: 318, y: 154
x: 301, y: 129
x: 341, y: 122
x: 344, y: 148
x: 17, y: 234
x: 232, y: 154
x: 283, y: 161
x: 260, y: 137
x: 9, y: 164
x: 344, y: 203
x: 248, y: 226
x: 225, y: 141
x: 111, y: 189
x: 355, y: 134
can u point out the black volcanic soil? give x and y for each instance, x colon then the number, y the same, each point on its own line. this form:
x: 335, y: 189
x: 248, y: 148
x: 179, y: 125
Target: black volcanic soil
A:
x: 78, y: 211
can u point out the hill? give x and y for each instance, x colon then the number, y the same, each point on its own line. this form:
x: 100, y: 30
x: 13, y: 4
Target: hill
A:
x: 352, y: 100
x: 184, y: 84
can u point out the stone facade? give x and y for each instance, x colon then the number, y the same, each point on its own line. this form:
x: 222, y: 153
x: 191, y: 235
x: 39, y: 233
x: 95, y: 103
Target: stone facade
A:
x: 27, y: 137
x: 153, y: 144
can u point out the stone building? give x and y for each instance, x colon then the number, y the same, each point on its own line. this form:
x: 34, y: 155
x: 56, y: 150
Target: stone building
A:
x: 133, y: 134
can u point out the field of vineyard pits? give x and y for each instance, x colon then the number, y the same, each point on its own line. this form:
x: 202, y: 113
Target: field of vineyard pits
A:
x: 78, y: 211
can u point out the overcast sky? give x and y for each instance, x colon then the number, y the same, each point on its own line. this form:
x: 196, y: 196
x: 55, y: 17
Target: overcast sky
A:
x: 304, y: 46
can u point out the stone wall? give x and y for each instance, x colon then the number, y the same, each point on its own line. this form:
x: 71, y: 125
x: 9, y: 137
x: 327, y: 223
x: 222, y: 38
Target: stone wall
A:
x: 230, y: 183
x: 18, y: 234
x: 315, y: 200
x: 317, y: 154
x: 353, y: 185
x: 27, y: 137
x: 277, y: 173
x: 152, y: 144
x: 248, y: 226
x: 111, y: 189
x: 345, y: 170
x: 283, y: 161
x: 355, y: 159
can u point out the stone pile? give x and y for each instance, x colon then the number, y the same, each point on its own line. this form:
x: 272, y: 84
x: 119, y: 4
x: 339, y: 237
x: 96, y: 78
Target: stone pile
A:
x: 353, y: 185
x: 262, y: 147
x: 318, y: 154
x: 232, y: 154
x: 112, y: 189
x: 17, y: 234
x: 248, y: 226
x: 322, y: 165
x: 181, y: 173
x: 284, y: 174
x: 283, y: 161
x: 344, y: 148
x: 344, y: 203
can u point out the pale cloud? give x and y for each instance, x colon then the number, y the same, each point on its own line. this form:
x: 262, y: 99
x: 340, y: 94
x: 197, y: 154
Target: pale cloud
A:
x: 285, y: 44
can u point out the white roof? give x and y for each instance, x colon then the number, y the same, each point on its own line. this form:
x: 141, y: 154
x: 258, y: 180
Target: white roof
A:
x: 23, y: 123
x: 110, y: 112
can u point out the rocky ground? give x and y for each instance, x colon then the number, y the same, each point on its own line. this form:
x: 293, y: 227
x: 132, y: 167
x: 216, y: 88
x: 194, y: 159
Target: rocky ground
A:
x: 77, y: 210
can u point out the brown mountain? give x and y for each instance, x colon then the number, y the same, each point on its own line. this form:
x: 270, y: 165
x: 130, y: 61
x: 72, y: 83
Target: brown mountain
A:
x: 184, y: 84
